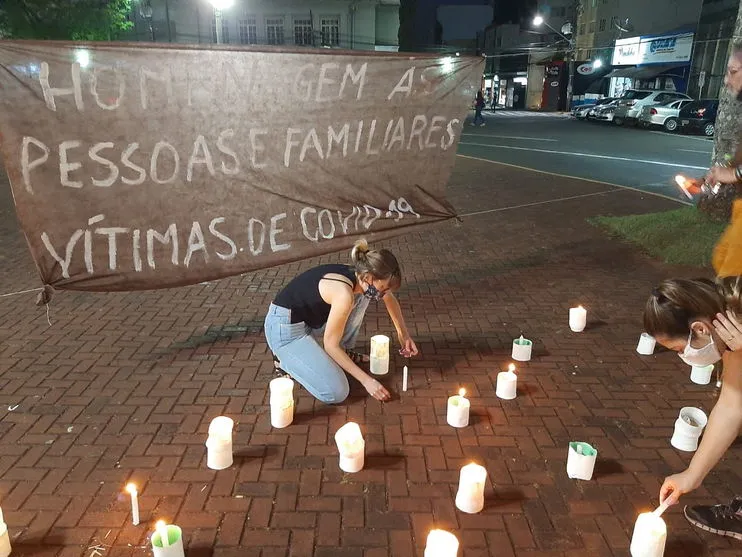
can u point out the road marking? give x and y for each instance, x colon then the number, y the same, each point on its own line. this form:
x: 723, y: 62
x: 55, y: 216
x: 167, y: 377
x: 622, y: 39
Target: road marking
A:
x: 475, y: 213
x: 676, y: 200
x: 704, y: 139
x: 508, y: 137
x: 587, y: 155
x: 695, y: 151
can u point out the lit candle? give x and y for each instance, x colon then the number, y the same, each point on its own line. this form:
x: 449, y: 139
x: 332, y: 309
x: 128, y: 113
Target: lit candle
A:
x: 379, y: 364
x: 470, y: 497
x: 457, y: 414
x: 167, y: 540
x: 351, y: 447
x: 650, y: 534
x: 507, y: 383
x: 404, y: 378
x: 441, y: 544
x: 219, y: 443
x: 5, y: 548
x: 282, y: 402
x: 577, y: 319
x: 132, y: 489
x: 522, y: 349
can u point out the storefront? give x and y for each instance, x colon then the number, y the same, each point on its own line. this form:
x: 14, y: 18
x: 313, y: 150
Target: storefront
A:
x: 652, y: 62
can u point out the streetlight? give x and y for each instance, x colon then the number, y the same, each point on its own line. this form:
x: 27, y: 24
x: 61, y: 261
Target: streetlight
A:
x: 218, y: 6
x: 538, y: 21
x: 598, y: 63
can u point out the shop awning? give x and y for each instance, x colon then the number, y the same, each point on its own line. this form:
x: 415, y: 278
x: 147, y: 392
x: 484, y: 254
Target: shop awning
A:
x: 648, y: 72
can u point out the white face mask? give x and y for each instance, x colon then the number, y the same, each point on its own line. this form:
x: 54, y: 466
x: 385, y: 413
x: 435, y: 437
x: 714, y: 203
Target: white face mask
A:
x: 700, y: 357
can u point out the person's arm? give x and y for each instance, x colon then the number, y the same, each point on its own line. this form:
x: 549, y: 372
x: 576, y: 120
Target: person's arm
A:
x: 395, y: 313
x: 722, y: 429
x: 340, y: 299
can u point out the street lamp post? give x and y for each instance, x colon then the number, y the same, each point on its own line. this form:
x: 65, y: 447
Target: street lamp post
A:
x: 539, y: 20
x: 219, y: 6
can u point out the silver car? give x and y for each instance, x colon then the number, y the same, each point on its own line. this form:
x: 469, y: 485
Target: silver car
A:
x: 604, y: 112
x: 632, y: 102
x: 664, y: 114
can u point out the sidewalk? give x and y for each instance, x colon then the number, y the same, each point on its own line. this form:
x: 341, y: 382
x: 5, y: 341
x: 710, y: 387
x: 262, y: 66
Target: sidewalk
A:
x: 122, y: 388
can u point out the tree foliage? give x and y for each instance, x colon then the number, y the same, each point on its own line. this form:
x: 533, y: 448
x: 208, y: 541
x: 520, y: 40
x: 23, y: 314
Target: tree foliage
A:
x: 77, y: 20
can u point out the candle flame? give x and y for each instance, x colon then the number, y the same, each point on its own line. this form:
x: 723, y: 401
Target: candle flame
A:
x: 462, y: 392
x: 160, y: 524
x: 511, y: 368
x: 131, y: 488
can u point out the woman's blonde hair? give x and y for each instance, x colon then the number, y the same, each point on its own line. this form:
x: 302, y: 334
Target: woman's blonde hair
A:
x: 380, y: 264
x: 676, y: 303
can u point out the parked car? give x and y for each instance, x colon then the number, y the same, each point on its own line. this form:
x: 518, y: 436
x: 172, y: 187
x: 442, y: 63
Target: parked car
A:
x: 633, y: 101
x: 581, y: 112
x: 699, y: 116
x: 664, y: 114
x: 604, y: 112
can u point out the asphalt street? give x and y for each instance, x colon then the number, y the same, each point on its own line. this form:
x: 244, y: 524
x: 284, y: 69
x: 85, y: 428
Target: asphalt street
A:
x: 627, y: 156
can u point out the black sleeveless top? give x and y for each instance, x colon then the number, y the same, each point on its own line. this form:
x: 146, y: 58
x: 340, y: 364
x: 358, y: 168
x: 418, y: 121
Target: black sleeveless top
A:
x: 302, y: 296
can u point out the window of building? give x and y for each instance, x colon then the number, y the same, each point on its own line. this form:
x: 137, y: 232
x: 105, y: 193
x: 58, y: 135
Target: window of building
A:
x: 498, y: 42
x: 303, y: 32
x: 249, y: 30
x: 274, y: 30
x: 591, y: 27
x: 225, y: 28
x: 330, y: 27
x: 601, y: 27
x: 582, y: 29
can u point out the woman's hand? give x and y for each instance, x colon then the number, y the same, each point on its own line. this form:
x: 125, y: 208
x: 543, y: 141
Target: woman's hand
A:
x: 729, y: 330
x: 376, y: 389
x: 409, y: 348
x: 721, y: 175
x: 677, y: 485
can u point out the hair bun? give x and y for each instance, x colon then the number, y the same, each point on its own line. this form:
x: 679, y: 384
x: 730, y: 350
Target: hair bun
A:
x: 360, y: 248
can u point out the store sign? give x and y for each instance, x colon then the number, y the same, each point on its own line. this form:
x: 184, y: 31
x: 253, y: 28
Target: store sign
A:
x: 653, y: 50
x: 586, y: 69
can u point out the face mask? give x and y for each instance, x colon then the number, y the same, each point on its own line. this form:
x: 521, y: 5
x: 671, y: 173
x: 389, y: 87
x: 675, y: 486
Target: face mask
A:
x: 700, y: 357
x: 372, y: 293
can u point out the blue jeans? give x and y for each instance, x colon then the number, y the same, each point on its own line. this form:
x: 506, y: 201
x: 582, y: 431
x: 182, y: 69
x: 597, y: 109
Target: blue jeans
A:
x: 478, y: 115
x: 304, y: 359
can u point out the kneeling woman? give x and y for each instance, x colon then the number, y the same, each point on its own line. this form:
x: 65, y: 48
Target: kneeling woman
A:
x: 688, y: 316
x: 333, y: 299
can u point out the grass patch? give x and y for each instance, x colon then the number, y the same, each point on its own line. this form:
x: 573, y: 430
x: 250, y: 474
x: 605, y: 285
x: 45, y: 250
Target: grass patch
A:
x: 680, y: 237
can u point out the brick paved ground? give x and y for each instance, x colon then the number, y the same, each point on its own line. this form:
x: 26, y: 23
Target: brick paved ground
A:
x: 123, y: 386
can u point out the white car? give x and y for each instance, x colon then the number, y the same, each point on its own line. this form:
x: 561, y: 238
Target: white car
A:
x: 604, y: 112
x: 632, y: 102
x: 665, y: 114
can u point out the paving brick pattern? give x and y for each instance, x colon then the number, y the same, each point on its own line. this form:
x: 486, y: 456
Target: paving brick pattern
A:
x: 122, y: 388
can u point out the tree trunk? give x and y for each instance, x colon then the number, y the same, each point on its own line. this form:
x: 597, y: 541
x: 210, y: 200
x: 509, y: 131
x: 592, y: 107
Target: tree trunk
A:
x: 726, y: 142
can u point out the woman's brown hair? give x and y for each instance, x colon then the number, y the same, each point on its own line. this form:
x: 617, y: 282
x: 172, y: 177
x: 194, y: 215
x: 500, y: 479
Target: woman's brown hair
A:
x: 676, y: 303
x: 380, y: 264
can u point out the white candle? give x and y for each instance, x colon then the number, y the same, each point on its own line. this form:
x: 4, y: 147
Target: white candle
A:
x: 379, y: 364
x: 441, y: 544
x: 404, y: 378
x: 457, y: 414
x: 132, y: 489
x: 507, y: 384
x: 522, y: 349
x: 219, y: 443
x: 351, y: 447
x: 701, y: 375
x: 650, y: 535
x: 688, y: 428
x: 282, y: 402
x: 5, y: 547
x: 646, y: 344
x: 167, y: 540
x: 577, y: 319
x: 470, y: 497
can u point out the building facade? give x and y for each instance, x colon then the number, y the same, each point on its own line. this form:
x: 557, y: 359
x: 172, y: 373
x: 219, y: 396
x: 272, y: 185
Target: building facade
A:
x: 601, y: 22
x: 711, y: 47
x: 347, y: 24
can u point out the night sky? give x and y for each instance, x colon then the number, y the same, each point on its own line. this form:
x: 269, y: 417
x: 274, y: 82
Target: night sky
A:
x: 506, y: 11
